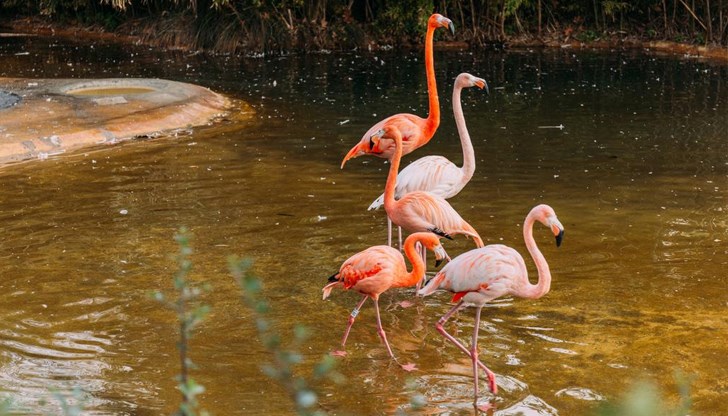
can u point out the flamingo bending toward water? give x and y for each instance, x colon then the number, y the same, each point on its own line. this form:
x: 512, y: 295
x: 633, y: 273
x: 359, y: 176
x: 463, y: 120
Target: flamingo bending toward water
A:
x: 436, y: 174
x: 483, y: 274
x: 416, y: 131
x: 375, y: 270
x: 420, y: 211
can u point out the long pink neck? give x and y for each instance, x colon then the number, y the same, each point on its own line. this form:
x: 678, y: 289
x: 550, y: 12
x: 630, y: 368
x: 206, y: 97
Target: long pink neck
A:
x: 389, y: 201
x: 418, y: 266
x: 544, y: 274
x: 467, y: 145
x: 433, y: 118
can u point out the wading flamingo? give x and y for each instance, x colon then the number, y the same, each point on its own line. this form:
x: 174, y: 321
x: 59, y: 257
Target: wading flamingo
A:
x: 420, y: 211
x: 372, y: 271
x: 483, y: 274
x: 436, y: 174
x: 416, y: 131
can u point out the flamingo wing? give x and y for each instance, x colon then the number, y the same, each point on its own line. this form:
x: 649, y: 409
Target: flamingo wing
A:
x: 412, y: 128
x: 491, y: 271
x: 371, y: 271
x: 434, y: 174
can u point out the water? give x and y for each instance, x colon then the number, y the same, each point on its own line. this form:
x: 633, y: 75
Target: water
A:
x: 637, y: 176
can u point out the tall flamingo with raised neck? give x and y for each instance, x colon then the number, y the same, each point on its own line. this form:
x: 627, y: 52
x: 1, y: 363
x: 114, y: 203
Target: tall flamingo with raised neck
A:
x: 483, y: 274
x: 420, y: 211
x: 377, y: 269
x: 436, y: 174
x: 416, y: 131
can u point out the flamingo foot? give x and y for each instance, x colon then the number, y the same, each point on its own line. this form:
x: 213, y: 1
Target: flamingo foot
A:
x: 491, y: 383
x: 409, y: 367
x: 484, y: 407
x: 406, y: 304
x: 338, y: 353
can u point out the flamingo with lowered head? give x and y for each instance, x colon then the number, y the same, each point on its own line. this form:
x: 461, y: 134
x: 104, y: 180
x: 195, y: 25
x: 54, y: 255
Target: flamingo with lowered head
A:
x: 436, y: 174
x: 375, y: 270
x: 416, y: 131
x: 483, y: 274
x: 420, y: 211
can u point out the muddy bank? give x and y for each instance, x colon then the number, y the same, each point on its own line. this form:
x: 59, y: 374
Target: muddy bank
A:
x: 133, y: 32
x: 46, y: 117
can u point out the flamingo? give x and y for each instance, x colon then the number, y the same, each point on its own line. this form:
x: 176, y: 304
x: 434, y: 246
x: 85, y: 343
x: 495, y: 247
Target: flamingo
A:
x: 436, y: 174
x: 483, y: 274
x: 375, y: 270
x: 416, y: 131
x: 420, y: 211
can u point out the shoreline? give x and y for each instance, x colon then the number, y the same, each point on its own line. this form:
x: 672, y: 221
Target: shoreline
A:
x: 39, y: 27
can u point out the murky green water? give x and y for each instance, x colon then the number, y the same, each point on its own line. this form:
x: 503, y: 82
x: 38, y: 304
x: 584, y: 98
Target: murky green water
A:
x: 638, y: 176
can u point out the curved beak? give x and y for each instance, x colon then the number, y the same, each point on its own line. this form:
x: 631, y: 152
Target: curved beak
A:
x: 559, y: 237
x: 355, y: 151
x: 480, y: 83
x: 451, y: 27
x: 440, y: 255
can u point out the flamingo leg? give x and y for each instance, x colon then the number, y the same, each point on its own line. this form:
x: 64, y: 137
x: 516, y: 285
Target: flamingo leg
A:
x: 399, y: 231
x: 474, y: 354
x: 423, y: 253
x: 352, y: 317
x: 441, y: 329
x: 389, y: 233
x: 380, y: 330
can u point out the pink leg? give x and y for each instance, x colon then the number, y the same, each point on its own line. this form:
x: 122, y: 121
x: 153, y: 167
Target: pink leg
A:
x: 380, y: 331
x: 399, y: 231
x: 352, y: 317
x: 423, y: 254
x: 389, y: 231
x: 440, y: 328
x: 474, y: 354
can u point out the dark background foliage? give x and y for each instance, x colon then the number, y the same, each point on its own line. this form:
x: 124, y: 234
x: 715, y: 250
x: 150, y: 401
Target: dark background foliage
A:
x: 284, y: 25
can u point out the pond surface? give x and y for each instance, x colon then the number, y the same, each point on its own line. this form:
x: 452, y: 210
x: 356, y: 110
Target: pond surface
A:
x: 637, y: 175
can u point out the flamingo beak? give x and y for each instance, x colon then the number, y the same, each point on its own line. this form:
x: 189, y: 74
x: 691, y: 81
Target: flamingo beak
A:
x: 451, y: 27
x: 559, y: 237
x: 354, y: 152
x: 440, y: 255
x: 480, y: 83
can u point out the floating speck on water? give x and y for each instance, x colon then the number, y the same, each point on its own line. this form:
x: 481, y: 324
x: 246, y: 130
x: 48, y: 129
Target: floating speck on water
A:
x: 321, y: 218
x: 123, y: 212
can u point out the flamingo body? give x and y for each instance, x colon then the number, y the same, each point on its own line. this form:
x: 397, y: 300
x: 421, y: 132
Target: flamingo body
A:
x: 437, y: 174
x: 377, y: 269
x: 420, y: 211
x: 483, y: 274
x: 416, y: 131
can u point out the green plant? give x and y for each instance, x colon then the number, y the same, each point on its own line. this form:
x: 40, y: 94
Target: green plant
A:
x: 190, y: 312
x: 284, y: 360
x: 644, y: 399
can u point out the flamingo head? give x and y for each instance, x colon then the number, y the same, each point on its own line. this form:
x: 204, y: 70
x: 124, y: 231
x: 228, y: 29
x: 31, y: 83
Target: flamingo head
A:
x: 546, y: 216
x: 438, y: 20
x: 432, y: 242
x: 466, y: 80
x: 387, y: 132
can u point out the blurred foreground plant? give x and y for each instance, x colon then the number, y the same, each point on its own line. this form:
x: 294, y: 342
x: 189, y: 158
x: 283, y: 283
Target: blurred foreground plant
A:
x: 644, y: 399
x: 190, y: 312
x: 282, y: 366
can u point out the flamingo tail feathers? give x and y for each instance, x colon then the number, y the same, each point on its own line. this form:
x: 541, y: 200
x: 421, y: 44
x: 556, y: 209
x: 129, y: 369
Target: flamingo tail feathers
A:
x: 432, y: 285
x: 377, y: 203
x: 328, y: 288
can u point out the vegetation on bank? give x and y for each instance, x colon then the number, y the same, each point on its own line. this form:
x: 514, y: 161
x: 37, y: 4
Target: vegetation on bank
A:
x: 248, y: 26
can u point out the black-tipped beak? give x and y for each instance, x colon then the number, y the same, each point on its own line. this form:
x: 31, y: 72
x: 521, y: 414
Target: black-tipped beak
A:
x: 452, y: 28
x: 371, y: 143
x: 559, y: 237
x: 487, y: 90
x: 438, y: 262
